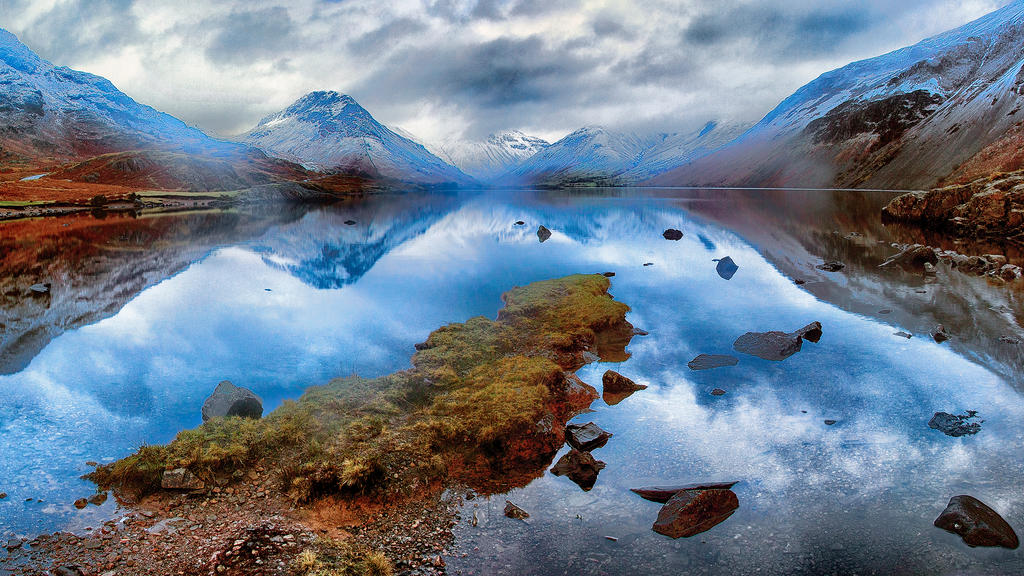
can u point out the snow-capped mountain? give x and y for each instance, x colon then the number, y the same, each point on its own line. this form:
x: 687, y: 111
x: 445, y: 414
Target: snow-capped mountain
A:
x: 486, y: 160
x: 597, y: 155
x: 327, y: 131
x: 907, y: 119
x: 53, y: 113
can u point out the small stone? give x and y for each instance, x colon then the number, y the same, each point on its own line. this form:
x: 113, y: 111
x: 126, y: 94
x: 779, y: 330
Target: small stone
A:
x: 940, y: 335
x: 904, y: 335
x: 718, y: 392
x: 40, y: 289
x: 831, y: 266
x: 513, y: 511
x: 673, y: 234
x: 710, y: 361
x: 726, y: 268
x: 587, y: 437
x: 955, y: 425
x: 81, y: 503
x: 690, y: 512
x: 520, y: 223
x: 350, y: 222
x: 609, y: 274
x: 830, y: 422
x: 976, y: 523
x: 543, y: 234
x: 98, y: 498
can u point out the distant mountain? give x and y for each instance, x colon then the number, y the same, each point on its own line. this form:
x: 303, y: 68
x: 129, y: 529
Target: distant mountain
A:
x: 51, y: 114
x: 486, y: 160
x: 598, y: 156
x: 948, y: 108
x: 331, y: 132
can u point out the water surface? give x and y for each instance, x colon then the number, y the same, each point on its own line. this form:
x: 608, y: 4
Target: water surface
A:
x: 146, y: 316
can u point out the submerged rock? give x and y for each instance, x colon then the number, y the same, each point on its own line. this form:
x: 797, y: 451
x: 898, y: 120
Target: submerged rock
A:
x: 976, y: 523
x: 81, y: 503
x: 98, y: 498
x: 955, y: 425
x: 40, y: 289
x: 940, y: 335
x: 543, y: 234
x: 904, y: 335
x: 777, y: 346
x: 350, y: 222
x: 580, y: 467
x: 520, y: 223
x: 726, y: 268
x: 690, y: 512
x: 831, y: 266
x: 230, y: 400
x: 718, y: 392
x: 672, y: 234
x: 180, y: 479
x: 709, y: 361
x: 662, y: 494
x: 913, y: 258
x: 587, y: 437
x: 513, y: 511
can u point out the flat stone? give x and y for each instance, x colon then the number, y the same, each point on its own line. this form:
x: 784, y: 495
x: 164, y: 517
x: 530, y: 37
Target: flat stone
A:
x: 662, y: 494
x: 976, y: 523
x: 690, y: 512
x: 718, y: 392
x: 955, y: 425
x: 673, y: 234
x: 777, y: 346
x: 81, y: 503
x: 587, y: 437
x: 710, y: 361
x: 726, y: 268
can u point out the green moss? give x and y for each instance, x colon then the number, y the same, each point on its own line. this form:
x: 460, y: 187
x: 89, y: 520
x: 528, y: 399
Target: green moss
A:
x: 476, y: 393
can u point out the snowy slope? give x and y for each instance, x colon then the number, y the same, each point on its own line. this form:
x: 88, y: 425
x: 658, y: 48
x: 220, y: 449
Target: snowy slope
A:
x: 486, y: 160
x: 49, y: 112
x: 597, y: 155
x: 328, y: 131
x: 905, y: 119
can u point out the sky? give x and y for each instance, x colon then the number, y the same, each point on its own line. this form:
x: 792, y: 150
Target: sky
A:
x: 445, y: 69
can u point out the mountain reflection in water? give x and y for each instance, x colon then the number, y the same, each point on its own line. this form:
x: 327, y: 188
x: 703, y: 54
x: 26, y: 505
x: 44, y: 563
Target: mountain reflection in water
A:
x: 147, y: 315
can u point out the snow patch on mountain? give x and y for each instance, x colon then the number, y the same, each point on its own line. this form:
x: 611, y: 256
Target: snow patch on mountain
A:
x: 485, y: 160
x: 328, y: 131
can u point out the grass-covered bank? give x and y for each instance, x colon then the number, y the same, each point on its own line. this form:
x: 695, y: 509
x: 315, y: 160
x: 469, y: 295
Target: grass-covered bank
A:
x: 484, y: 403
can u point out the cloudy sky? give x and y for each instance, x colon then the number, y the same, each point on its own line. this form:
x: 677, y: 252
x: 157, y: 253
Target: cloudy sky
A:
x: 450, y: 68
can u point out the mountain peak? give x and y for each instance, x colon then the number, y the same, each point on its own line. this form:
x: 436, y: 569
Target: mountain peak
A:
x: 17, y: 55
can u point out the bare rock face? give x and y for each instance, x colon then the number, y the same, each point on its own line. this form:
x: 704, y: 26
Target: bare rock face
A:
x: 690, y: 512
x: 180, y: 479
x: 976, y: 523
x: 987, y: 207
x: 230, y: 400
x: 580, y: 467
x: 777, y: 346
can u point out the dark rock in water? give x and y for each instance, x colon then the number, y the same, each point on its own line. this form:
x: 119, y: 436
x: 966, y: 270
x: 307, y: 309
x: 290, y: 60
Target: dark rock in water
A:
x: 543, y: 233
x: 904, y: 335
x: 830, y: 422
x: 799, y: 282
x: 691, y: 512
x: 662, y: 494
x: 81, y: 503
x: 885, y: 311
x: 587, y: 437
x: 718, y: 392
x: 98, y: 498
x: 709, y: 361
x: 672, y: 234
x: 609, y: 274
x: 180, y: 479
x: 648, y: 264
x: 12, y: 544
x: 955, y: 425
x: 40, y: 289
x: 617, y: 383
x: 580, y: 467
x: 513, y: 511
x: 912, y: 258
x: 230, y: 400
x: 520, y: 223
x: 3, y: 495
x: 976, y: 523
x: 727, y: 268
x: 940, y: 335
x: 350, y: 222
x: 831, y: 266
x: 777, y: 346
x: 639, y: 332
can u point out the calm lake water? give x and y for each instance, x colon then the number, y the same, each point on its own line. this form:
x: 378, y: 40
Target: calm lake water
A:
x: 147, y: 315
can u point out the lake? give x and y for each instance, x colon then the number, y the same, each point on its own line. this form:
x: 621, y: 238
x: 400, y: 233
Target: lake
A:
x: 147, y: 314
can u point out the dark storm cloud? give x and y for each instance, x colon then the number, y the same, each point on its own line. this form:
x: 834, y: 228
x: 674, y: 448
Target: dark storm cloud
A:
x: 246, y: 35
x: 475, y: 65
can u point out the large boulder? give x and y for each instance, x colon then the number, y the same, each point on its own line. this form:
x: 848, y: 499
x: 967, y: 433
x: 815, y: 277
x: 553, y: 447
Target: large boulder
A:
x: 230, y: 400
x: 616, y: 383
x: 587, y: 437
x: 662, y: 494
x: 690, y: 512
x: 777, y: 346
x: 913, y: 258
x: 976, y: 523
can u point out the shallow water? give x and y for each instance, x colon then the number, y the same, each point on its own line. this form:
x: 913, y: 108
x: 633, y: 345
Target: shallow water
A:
x: 122, y: 354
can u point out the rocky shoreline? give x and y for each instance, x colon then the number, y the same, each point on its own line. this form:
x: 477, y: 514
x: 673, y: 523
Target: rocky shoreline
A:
x: 358, y: 476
